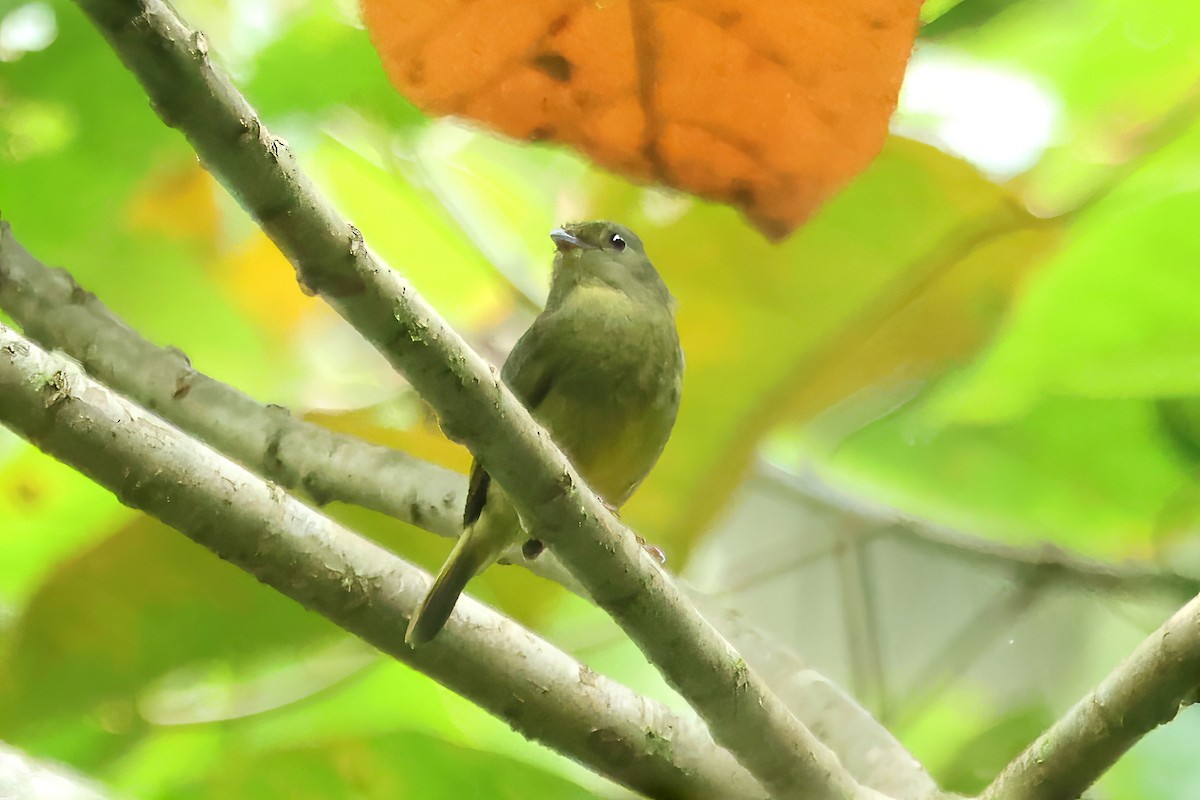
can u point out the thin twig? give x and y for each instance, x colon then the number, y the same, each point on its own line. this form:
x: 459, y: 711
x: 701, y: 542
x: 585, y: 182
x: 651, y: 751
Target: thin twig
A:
x: 861, y: 616
x: 963, y: 648
x: 1146, y: 690
x: 1051, y: 563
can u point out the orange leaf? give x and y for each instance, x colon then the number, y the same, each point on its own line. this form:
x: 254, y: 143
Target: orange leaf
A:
x: 768, y: 106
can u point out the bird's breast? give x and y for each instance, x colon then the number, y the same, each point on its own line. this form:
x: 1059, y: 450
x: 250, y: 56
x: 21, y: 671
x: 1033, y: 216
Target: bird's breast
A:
x: 613, y: 409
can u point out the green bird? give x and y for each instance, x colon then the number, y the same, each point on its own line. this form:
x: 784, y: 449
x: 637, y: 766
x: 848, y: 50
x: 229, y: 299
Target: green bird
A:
x: 601, y: 369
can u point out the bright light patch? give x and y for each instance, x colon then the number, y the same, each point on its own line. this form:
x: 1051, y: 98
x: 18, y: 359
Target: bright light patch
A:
x: 22, y: 777
x: 999, y: 120
x: 27, y: 29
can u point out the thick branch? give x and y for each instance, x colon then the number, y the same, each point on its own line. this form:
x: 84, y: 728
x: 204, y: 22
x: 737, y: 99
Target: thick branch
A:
x: 542, y: 692
x: 473, y: 405
x: 303, y: 457
x: 55, y: 311
x: 58, y: 314
x: 1146, y: 690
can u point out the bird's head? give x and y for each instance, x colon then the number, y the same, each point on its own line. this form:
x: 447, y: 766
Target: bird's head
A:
x: 603, y: 253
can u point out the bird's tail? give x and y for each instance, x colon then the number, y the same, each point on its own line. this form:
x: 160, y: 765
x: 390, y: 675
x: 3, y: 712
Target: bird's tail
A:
x: 431, y: 615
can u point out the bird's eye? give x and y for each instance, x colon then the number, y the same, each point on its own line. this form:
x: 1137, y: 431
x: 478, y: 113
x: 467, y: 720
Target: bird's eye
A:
x: 617, y: 242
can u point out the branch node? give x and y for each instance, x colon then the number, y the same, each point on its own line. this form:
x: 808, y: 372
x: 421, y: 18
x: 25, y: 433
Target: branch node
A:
x: 200, y: 45
x: 56, y: 389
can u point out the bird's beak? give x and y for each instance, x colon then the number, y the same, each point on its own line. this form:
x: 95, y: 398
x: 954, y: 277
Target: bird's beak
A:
x: 565, y: 240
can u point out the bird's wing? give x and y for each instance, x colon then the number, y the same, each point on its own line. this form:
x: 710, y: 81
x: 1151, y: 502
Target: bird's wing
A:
x: 534, y: 361
x: 529, y: 372
x: 476, y: 494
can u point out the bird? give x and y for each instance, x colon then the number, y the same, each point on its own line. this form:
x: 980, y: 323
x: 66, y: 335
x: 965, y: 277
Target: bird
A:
x: 601, y: 369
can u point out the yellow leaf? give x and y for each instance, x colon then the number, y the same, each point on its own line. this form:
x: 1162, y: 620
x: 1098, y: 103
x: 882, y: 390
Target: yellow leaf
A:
x: 180, y: 203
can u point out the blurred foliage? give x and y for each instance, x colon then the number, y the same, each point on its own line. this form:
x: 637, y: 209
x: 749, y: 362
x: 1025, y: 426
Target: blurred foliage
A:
x: 1015, y: 355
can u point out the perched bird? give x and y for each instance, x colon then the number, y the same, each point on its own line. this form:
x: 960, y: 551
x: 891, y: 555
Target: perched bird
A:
x: 601, y: 369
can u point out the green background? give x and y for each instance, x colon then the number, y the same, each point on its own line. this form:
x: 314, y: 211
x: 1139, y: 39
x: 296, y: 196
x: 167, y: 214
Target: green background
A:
x: 1016, y: 357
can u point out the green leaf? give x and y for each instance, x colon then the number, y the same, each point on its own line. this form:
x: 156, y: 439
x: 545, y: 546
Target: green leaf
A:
x: 884, y: 288
x: 384, y: 766
x: 1092, y: 475
x: 1113, y: 315
x: 49, y: 510
x: 293, y: 74
x: 114, y: 619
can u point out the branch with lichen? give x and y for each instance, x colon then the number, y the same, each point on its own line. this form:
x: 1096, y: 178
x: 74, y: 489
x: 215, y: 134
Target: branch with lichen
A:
x: 307, y: 459
x: 538, y: 690
x: 57, y: 313
x: 473, y: 405
x: 54, y: 310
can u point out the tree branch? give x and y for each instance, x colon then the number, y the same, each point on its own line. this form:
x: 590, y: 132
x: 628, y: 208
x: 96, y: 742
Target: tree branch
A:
x: 1146, y: 690
x: 473, y: 405
x: 303, y: 457
x: 55, y: 311
x: 540, y: 691
x: 59, y: 314
x: 1047, y: 562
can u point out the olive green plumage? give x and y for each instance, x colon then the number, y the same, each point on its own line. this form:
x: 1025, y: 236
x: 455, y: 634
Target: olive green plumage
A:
x: 601, y: 369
